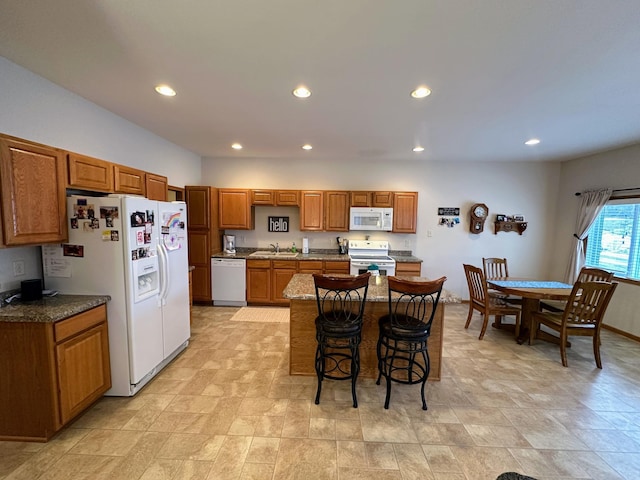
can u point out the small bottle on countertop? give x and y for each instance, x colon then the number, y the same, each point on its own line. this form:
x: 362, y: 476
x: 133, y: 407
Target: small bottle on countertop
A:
x: 293, y: 247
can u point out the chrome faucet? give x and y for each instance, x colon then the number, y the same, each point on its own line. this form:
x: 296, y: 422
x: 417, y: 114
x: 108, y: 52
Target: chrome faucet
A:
x: 276, y: 247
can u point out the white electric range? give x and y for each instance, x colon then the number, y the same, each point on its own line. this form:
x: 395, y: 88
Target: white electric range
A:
x: 363, y: 253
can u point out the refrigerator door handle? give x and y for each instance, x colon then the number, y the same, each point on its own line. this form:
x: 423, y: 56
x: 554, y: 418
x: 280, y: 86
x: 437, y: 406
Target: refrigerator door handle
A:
x: 164, y: 274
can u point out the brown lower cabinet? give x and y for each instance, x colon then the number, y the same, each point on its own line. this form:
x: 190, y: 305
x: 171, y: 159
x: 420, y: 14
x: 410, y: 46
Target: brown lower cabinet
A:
x: 267, y: 279
x: 281, y: 273
x: 409, y: 269
x: 51, y: 372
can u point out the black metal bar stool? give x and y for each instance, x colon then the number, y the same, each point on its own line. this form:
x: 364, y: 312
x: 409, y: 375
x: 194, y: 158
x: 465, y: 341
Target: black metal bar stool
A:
x: 341, y: 303
x: 402, y: 351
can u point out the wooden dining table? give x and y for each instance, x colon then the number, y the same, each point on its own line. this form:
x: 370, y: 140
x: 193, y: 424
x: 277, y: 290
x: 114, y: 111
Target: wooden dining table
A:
x: 531, y: 291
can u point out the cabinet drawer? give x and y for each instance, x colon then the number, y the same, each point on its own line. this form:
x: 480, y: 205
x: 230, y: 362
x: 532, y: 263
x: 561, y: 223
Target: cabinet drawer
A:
x: 78, y: 323
x: 286, y: 264
x: 408, y: 268
x: 258, y: 263
x: 336, y: 266
x: 306, y: 265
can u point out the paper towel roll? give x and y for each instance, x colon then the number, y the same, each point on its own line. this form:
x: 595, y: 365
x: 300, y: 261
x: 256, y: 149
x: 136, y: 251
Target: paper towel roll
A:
x: 305, y: 245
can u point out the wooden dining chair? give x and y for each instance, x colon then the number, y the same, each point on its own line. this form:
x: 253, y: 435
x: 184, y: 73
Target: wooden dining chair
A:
x: 582, y: 315
x: 495, y: 268
x: 587, y: 274
x: 487, y: 305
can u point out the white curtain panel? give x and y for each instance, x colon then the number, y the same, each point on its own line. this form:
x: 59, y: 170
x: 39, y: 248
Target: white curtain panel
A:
x: 591, y: 203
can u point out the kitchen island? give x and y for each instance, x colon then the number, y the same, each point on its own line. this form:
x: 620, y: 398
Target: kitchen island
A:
x: 303, y: 311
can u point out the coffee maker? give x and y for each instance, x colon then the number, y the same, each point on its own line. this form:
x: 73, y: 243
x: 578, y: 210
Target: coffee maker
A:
x: 230, y: 244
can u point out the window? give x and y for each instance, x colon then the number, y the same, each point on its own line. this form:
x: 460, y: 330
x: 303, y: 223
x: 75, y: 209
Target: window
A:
x: 613, y: 241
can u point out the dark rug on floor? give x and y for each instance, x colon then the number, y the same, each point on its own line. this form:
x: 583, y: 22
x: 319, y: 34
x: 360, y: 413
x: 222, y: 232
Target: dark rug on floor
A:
x: 513, y: 476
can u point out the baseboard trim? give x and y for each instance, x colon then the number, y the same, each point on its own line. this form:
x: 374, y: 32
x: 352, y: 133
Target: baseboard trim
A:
x: 621, y: 332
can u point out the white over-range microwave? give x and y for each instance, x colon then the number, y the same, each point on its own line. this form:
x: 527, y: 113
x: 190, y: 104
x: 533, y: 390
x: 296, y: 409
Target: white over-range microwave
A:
x: 371, y: 218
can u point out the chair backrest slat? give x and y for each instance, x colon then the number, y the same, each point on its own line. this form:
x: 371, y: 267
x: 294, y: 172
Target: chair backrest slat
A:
x: 477, y: 284
x: 588, y: 302
x: 590, y: 274
x: 495, y: 268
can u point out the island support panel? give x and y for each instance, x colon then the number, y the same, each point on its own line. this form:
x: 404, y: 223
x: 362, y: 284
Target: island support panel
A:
x: 303, y: 339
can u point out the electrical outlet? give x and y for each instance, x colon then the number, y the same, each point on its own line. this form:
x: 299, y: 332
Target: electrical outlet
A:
x: 18, y: 268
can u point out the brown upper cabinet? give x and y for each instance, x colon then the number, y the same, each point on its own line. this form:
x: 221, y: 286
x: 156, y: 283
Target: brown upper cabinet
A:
x: 93, y: 174
x: 89, y: 173
x: 263, y: 197
x: 156, y: 186
x: 288, y: 198
x: 235, y: 209
x: 371, y: 199
x: 276, y: 197
x: 405, y: 212
x: 33, y: 191
x: 360, y: 199
x: 336, y: 217
x: 312, y: 210
x: 129, y: 180
x: 382, y: 199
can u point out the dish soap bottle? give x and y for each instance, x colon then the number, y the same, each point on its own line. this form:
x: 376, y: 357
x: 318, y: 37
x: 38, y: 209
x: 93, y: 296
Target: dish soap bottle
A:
x: 293, y: 247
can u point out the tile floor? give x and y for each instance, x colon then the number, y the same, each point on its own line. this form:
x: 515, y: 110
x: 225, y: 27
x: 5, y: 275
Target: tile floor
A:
x: 227, y: 409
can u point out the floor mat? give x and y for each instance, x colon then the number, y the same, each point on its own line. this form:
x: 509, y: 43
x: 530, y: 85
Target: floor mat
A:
x: 262, y: 315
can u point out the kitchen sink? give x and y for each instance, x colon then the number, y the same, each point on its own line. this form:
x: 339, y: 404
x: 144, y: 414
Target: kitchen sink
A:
x: 269, y: 253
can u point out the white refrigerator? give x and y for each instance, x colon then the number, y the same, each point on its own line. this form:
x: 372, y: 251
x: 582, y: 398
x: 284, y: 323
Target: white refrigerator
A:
x: 134, y: 250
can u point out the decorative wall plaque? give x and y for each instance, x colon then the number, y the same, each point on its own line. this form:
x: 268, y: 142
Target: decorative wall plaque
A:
x: 278, y: 224
x: 449, y: 211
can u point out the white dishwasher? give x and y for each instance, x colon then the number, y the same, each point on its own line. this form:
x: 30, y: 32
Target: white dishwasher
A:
x: 228, y: 281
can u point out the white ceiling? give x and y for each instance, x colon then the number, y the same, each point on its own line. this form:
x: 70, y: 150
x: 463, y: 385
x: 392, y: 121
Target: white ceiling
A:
x: 501, y: 71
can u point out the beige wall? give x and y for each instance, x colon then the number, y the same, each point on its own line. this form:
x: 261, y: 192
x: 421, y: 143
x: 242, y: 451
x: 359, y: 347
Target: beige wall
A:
x: 527, y: 188
x: 36, y: 109
x: 616, y: 169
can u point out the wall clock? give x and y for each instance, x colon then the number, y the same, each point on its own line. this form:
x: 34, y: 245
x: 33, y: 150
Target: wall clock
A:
x: 478, y: 215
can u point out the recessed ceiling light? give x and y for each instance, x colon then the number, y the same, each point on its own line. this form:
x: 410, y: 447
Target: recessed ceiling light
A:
x: 532, y: 141
x: 236, y: 146
x: 166, y: 90
x: 307, y: 147
x: 418, y: 149
x: 302, y: 92
x: 421, y: 92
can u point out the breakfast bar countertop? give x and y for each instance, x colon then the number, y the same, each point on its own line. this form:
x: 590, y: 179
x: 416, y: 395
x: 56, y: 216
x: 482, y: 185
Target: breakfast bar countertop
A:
x: 301, y: 287
x: 50, y: 309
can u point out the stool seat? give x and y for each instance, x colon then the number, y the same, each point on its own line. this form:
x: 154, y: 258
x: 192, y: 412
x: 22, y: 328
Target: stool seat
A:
x: 402, y: 348
x: 340, y: 302
x: 336, y: 330
x: 415, y: 328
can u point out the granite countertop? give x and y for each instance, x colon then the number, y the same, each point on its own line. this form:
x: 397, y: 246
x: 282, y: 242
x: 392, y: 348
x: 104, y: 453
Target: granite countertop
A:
x: 50, y: 309
x: 301, y: 287
x: 328, y: 254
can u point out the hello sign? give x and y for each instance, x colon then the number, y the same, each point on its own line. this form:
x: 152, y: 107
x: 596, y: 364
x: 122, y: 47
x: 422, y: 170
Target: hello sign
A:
x: 278, y: 224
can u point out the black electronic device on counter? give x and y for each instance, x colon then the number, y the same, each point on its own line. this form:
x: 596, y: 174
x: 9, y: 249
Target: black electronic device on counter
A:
x: 31, y: 289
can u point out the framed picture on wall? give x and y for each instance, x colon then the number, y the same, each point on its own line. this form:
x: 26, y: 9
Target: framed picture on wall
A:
x: 500, y: 218
x: 518, y: 217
